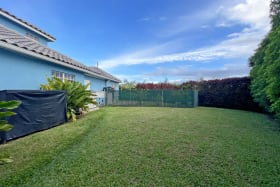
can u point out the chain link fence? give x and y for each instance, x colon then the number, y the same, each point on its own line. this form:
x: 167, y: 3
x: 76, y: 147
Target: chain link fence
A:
x: 158, y: 98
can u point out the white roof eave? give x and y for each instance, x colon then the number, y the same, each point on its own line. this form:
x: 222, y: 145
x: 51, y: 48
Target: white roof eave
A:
x: 27, y: 26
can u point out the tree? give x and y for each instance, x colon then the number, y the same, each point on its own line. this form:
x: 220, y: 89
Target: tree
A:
x: 272, y: 59
x: 259, y: 79
x: 275, y: 12
x: 265, y: 72
x: 128, y: 85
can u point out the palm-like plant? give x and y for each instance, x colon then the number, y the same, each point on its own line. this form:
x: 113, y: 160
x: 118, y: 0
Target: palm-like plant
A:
x: 5, y: 111
x: 78, y: 97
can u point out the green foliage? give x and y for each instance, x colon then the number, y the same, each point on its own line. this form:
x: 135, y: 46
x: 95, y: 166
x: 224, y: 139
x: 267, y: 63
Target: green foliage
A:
x: 5, y: 107
x: 265, y: 72
x: 258, y: 87
x: 126, y: 85
x: 78, y: 97
x: 275, y: 12
x: 231, y: 93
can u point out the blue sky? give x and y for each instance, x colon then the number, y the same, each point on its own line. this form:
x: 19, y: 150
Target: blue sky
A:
x: 153, y: 40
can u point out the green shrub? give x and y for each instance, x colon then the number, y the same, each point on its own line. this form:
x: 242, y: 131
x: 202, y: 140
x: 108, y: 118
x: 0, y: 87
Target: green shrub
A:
x: 265, y: 72
x: 231, y: 93
x: 5, y: 111
x: 78, y: 97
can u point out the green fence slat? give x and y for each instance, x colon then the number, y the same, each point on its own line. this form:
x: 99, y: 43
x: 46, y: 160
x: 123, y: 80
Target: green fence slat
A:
x: 162, y: 98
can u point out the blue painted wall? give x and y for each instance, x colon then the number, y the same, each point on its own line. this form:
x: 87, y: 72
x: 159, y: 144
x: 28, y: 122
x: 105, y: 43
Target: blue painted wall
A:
x: 99, y: 84
x: 23, y: 72
x: 112, y: 84
x: 20, y: 29
x: 19, y: 71
x: 96, y: 84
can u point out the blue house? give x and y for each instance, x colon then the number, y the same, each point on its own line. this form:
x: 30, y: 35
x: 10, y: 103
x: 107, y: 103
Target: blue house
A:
x: 26, y: 60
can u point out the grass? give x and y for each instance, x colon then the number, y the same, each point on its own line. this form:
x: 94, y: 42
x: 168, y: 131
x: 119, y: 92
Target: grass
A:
x: 150, y: 147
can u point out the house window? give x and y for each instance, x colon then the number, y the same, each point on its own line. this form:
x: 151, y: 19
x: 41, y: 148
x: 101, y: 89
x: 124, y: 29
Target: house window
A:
x: 87, y: 82
x: 63, y: 76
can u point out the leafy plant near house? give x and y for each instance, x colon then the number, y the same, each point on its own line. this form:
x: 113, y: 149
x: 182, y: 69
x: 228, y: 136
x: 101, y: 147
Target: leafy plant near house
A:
x: 78, y: 97
x: 5, y: 111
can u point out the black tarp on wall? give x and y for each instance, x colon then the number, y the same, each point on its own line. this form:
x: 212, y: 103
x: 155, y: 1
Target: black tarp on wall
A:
x: 39, y: 110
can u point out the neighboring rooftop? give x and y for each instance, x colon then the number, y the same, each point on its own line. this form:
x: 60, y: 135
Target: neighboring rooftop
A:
x: 13, y: 41
x: 27, y: 25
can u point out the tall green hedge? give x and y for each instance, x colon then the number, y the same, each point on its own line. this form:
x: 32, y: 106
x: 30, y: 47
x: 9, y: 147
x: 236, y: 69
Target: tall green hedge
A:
x: 265, y: 72
x: 231, y: 93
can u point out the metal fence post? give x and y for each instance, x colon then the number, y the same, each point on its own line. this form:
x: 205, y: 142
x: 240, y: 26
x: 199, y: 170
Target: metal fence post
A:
x: 162, y: 98
x: 195, y: 102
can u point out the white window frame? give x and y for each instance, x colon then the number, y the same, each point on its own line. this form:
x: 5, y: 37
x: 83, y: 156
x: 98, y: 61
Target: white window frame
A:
x: 87, y: 82
x: 63, y: 76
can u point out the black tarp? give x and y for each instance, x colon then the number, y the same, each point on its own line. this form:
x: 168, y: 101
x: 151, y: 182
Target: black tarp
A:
x: 39, y: 110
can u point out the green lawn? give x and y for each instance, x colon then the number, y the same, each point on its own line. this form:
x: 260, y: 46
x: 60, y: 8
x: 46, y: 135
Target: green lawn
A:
x: 150, y: 147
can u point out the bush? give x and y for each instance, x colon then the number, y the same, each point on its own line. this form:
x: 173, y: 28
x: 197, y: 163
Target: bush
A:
x: 231, y: 93
x: 159, y: 86
x: 78, y: 97
x: 265, y: 63
x: 5, y: 111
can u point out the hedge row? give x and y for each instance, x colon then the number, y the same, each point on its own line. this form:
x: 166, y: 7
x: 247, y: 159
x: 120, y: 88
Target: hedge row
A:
x: 231, y: 93
x: 159, y: 86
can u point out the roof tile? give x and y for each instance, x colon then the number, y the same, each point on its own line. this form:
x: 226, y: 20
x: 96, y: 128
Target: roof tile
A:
x: 13, y: 38
x: 28, y: 24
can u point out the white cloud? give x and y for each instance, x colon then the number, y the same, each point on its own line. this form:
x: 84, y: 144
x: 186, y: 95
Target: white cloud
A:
x: 191, y: 73
x: 253, y: 15
x: 180, y: 74
x: 237, y: 45
x: 162, y: 18
x: 137, y: 77
x: 223, y: 24
x: 252, y: 12
x: 205, y: 26
x: 185, y: 23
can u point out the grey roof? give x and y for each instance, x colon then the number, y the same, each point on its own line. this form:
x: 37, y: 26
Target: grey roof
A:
x: 27, y: 24
x: 103, y: 73
x: 14, y: 39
